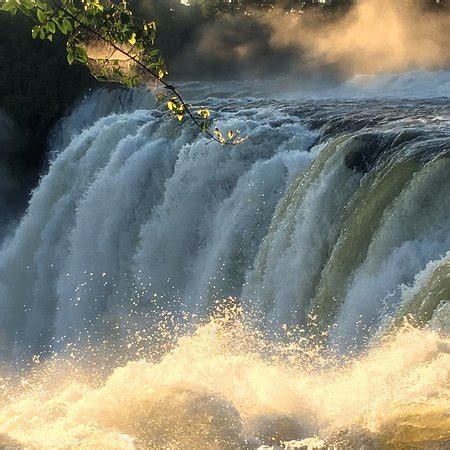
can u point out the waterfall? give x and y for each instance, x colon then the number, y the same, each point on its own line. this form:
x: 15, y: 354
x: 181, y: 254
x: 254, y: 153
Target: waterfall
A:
x: 133, y: 197
x: 168, y: 291
x: 135, y: 213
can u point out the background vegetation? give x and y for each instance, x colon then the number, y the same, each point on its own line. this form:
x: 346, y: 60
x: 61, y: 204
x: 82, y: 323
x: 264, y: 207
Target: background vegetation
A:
x: 36, y: 84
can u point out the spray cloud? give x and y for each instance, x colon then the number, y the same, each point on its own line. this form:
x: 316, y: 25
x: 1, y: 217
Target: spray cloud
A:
x: 374, y: 37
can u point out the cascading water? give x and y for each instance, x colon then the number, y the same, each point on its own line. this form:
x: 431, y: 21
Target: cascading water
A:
x: 329, y: 227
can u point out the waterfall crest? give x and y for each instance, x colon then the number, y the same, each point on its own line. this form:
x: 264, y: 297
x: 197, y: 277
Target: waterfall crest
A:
x: 135, y: 212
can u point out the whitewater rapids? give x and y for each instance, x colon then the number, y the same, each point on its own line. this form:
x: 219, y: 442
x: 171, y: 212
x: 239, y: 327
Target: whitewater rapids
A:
x: 327, y: 232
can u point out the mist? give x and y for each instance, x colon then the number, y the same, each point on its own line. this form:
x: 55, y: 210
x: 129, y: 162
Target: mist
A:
x: 373, y: 37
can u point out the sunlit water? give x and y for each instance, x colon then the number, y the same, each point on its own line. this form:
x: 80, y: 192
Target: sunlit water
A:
x: 329, y: 228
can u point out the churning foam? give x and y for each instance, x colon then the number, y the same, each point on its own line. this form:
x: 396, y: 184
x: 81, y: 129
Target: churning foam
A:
x: 226, y: 386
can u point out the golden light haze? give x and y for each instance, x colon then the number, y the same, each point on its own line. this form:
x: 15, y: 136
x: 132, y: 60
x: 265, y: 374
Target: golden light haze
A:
x: 375, y: 36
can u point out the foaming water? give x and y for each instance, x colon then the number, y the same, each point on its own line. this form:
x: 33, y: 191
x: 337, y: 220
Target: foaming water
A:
x: 329, y: 228
x: 226, y: 385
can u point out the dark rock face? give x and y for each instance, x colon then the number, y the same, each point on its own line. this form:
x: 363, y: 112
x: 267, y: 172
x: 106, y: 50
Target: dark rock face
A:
x: 271, y: 431
x: 370, y: 147
x: 353, y: 438
x: 364, y: 158
x: 13, y: 179
x: 37, y: 87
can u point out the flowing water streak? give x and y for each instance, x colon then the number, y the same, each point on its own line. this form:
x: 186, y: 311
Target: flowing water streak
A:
x: 414, y: 231
x: 428, y: 297
x: 361, y: 219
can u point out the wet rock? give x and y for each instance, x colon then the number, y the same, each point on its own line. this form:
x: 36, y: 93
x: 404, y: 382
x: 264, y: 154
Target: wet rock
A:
x: 7, y: 443
x: 272, y: 431
x: 369, y: 148
x: 353, y: 438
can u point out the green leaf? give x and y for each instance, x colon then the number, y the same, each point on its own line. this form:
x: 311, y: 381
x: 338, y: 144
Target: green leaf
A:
x: 81, y: 55
x: 8, y: 6
x: 70, y: 58
x: 35, y: 31
x: 28, y: 4
x: 67, y: 25
x: 61, y: 26
x: 41, y: 15
x: 132, y: 39
x: 204, y: 113
x: 51, y: 27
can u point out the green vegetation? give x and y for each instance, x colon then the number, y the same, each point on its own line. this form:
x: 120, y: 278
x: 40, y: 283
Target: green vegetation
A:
x: 105, y: 36
x: 90, y: 23
x: 211, y: 7
x: 36, y: 84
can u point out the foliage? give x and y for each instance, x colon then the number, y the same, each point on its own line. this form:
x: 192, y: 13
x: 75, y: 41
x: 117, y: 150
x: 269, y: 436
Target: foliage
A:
x: 25, y: 97
x: 106, y: 37
x: 212, y: 7
x: 28, y: 67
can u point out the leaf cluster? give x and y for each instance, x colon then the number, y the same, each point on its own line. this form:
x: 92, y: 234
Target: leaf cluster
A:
x: 105, y: 36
